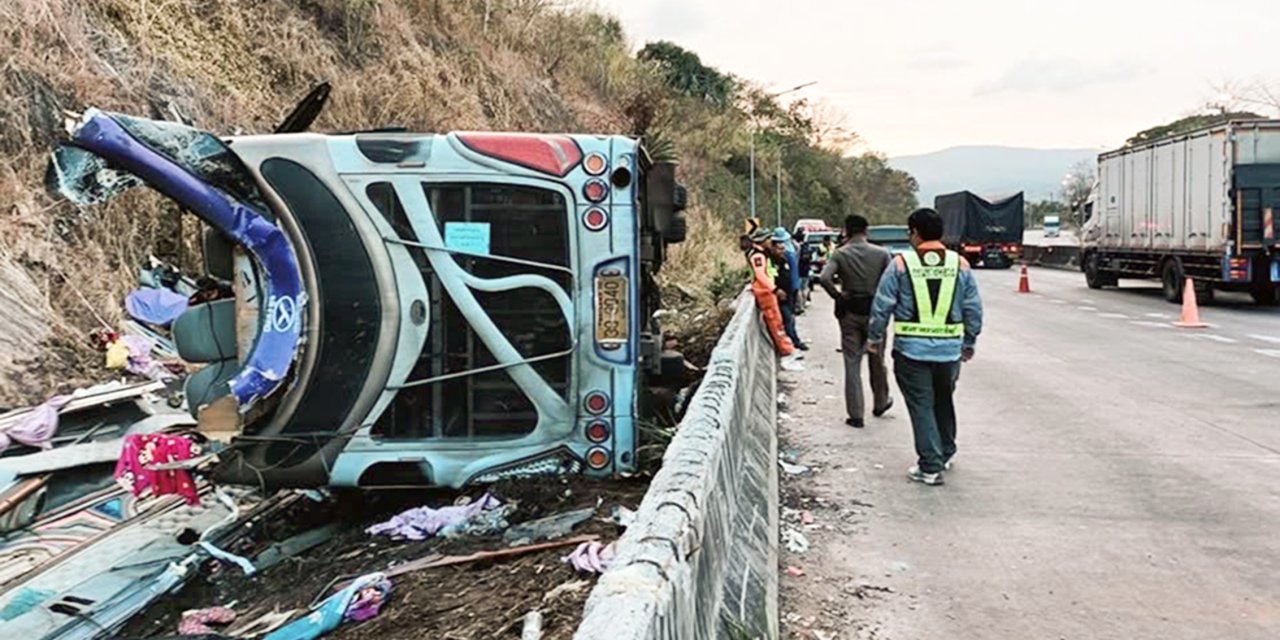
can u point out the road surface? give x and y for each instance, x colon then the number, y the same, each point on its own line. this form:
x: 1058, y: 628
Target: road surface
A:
x: 1116, y: 478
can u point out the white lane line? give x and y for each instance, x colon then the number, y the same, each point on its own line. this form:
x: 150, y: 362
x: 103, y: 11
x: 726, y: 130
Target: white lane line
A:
x: 1214, y: 337
x: 1086, y: 301
x: 1158, y: 315
x: 1154, y: 325
x: 1087, y: 308
x: 1117, y: 316
x: 1271, y: 353
x: 1057, y: 301
x: 1271, y: 339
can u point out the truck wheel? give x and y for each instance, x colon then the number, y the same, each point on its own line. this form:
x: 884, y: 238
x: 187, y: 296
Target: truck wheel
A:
x: 1095, y: 276
x: 1265, y: 295
x: 1173, y: 279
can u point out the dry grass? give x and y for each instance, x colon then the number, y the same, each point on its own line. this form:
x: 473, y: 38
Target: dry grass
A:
x: 233, y: 66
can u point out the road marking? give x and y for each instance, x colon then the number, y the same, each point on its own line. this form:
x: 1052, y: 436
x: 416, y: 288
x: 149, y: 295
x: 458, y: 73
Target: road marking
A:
x: 1272, y: 339
x: 1158, y: 315
x: 1271, y: 353
x: 1117, y: 316
x: 1057, y: 301
x: 1146, y: 323
x: 1216, y: 338
x: 1087, y: 308
x: 1086, y: 301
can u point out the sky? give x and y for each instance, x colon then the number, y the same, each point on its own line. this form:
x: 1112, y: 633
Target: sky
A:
x: 914, y: 76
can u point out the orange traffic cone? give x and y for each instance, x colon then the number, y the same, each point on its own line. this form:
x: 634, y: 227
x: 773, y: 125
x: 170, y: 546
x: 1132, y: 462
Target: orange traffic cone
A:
x: 1190, y: 310
x: 1024, y: 284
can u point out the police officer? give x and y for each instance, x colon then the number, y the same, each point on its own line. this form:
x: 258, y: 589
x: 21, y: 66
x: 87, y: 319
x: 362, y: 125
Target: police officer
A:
x: 932, y: 296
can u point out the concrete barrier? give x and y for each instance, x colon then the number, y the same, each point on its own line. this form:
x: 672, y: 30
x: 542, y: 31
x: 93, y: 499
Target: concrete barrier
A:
x: 1055, y: 256
x: 700, y: 560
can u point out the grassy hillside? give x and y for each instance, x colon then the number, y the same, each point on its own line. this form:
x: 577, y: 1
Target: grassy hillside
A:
x: 236, y: 66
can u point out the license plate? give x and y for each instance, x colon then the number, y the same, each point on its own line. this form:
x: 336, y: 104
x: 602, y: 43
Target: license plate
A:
x: 612, y: 324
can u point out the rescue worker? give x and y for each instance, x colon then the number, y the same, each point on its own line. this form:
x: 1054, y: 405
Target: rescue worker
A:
x: 858, y: 265
x: 932, y: 295
x: 788, y: 283
x: 804, y: 254
x: 756, y: 246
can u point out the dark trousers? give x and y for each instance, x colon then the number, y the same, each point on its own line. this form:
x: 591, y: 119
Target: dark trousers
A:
x: 853, y: 345
x: 789, y: 317
x: 927, y: 388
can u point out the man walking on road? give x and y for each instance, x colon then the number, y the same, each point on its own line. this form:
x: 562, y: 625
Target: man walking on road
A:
x: 858, y: 265
x: 933, y: 297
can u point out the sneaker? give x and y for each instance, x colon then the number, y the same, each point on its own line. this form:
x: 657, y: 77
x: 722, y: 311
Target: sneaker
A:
x: 802, y: 346
x: 882, y: 410
x: 931, y: 479
x: 947, y: 464
x: 856, y: 423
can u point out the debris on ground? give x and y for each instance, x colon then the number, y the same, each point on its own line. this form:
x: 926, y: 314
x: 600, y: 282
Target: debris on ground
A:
x: 795, y: 572
x: 591, y: 557
x: 548, y: 528
x: 793, y: 469
x: 423, y: 522
x: 795, y: 541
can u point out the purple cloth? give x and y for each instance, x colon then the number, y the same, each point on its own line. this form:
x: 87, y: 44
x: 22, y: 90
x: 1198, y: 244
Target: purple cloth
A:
x: 36, y: 428
x: 368, y: 601
x: 423, y: 522
x: 155, y: 306
x: 140, y: 361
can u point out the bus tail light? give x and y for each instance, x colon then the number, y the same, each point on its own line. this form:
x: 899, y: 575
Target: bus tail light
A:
x: 595, y: 190
x: 597, y: 458
x: 551, y: 154
x: 595, y: 219
x: 595, y: 164
x: 597, y: 402
x: 598, y: 431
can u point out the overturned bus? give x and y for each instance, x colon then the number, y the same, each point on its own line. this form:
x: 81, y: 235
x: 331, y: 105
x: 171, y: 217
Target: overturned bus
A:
x: 410, y: 309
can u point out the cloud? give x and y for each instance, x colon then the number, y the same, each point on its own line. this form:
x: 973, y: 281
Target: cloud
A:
x: 676, y: 18
x: 938, y: 58
x: 1038, y: 75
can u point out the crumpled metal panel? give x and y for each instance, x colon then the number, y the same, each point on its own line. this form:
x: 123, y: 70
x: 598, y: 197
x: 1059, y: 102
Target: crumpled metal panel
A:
x: 700, y: 560
x: 201, y: 173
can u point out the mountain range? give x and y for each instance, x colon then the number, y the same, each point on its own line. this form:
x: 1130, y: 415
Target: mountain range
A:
x: 992, y: 170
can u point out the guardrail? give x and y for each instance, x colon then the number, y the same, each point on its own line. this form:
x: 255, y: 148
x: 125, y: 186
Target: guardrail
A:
x: 700, y: 559
x: 1056, y: 256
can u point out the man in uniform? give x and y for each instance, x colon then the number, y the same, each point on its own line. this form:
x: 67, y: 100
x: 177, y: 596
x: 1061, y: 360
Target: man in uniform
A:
x: 756, y: 245
x: 787, y: 262
x: 933, y: 298
x: 858, y: 265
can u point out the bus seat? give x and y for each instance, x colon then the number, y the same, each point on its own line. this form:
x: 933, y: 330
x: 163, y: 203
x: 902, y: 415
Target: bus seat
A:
x: 207, y: 332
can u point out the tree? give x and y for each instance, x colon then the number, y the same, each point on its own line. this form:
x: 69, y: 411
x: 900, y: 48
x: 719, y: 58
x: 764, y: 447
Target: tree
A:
x: 1077, y: 186
x: 685, y: 73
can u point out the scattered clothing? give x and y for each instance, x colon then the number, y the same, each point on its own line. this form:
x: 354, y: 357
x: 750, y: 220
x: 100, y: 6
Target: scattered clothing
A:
x: 159, y: 307
x: 141, y: 451
x: 195, y: 623
x: 423, y: 522
x: 591, y: 557
x: 330, y: 613
x: 226, y: 556
x: 368, y: 601
x: 36, y: 428
x: 133, y: 354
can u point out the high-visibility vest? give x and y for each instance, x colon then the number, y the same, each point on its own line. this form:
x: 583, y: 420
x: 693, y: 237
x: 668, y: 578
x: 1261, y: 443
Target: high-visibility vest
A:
x: 932, y: 314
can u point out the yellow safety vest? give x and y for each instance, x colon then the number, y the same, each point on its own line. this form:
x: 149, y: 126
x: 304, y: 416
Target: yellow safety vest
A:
x: 931, y: 314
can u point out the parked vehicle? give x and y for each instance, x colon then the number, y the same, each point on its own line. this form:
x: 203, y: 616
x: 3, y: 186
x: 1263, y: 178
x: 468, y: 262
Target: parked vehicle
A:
x: 1199, y: 205
x: 411, y: 309
x: 895, y: 238
x: 986, y: 232
x: 1052, y: 226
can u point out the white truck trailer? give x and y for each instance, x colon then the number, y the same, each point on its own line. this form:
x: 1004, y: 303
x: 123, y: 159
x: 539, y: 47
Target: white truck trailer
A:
x: 1201, y: 205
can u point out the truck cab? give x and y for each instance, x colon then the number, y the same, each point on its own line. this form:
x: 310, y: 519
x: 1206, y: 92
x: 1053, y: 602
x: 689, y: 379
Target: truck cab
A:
x: 410, y: 308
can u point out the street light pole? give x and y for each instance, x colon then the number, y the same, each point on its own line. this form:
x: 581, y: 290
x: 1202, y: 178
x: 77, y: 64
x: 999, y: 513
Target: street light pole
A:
x: 753, y: 154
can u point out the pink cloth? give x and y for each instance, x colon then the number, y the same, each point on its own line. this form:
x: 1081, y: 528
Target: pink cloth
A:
x: 196, y: 623
x: 142, y: 450
x: 36, y: 428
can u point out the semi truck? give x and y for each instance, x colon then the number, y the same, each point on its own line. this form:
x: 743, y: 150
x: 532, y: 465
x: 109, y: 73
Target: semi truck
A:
x: 986, y: 232
x: 1198, y: 205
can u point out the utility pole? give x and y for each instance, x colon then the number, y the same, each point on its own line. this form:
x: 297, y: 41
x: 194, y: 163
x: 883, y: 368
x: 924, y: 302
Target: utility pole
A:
x: 753, y: 151
x: 779, y: 187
